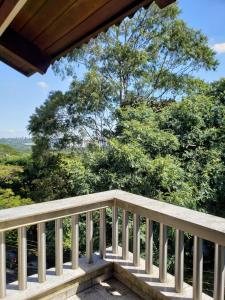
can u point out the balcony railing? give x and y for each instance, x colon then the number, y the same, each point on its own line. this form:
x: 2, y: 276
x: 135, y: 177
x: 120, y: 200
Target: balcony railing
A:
x: 200, y: 225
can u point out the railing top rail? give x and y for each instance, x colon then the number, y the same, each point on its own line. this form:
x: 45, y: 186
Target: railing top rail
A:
x: 203, y: 225
x: 15, y: 217
x: 206, y: 226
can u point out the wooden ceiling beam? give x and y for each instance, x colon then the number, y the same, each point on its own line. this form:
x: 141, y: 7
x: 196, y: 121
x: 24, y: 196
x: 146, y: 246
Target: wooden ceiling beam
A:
x: 101, y: 26
x: 24, y: 50
x: 164, y: 3
x: 19, y: 50
x: 8, y: 11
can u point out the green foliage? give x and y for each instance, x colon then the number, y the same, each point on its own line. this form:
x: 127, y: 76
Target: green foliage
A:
x: 6, y: 150
x: 11, y: 177
x: 148, y: 58
x: 58, y: 177
x: 9, y: 199
x: 141, y: 124
x: 12, y: 173
x: 217, y: 90
x: 198, y: 123
x: 142, y: 159
x: 174, y: 153
x: 9, y: 173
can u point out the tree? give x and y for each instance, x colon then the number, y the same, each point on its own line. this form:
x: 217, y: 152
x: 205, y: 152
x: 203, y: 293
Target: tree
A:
x: 198, y: 124
x: 9, y: 199
x: 149, y: 57
x: 9, y: 174
x: 142, y: 159
x: 60, y: 176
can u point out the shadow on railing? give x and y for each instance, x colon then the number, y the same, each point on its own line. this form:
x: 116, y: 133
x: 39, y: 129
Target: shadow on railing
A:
x: 200, y: 225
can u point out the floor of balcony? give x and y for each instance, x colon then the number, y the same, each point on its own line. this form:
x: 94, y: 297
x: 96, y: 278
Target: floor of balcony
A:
x: 110, y: 290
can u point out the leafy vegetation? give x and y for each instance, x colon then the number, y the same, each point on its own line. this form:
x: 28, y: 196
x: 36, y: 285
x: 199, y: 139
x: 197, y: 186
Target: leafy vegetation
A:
x: 9, y: 199
x: 140, y: 138
x: 6, y: 150
x: 149, y: 58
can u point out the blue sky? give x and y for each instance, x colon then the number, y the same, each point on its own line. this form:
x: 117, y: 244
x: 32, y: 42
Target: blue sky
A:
x: 19, y: 95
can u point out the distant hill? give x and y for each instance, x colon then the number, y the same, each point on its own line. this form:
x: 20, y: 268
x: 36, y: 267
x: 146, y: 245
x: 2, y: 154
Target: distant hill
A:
x: 6, y: 150
x: 18, y: 144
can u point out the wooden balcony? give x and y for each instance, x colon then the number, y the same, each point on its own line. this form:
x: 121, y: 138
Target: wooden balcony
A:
x: 140, y: 276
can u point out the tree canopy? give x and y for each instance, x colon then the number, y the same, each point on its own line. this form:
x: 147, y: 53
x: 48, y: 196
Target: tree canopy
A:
x: 137, y: 119
x: 174, y: 153
x: 148, y: 58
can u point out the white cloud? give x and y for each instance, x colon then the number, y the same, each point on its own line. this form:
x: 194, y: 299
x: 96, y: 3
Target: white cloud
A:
x: 43, y: 85
x: 219, y: 48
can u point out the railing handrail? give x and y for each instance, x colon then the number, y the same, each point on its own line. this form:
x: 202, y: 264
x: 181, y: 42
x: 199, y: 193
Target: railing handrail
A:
x: 203, y: 225
x: 15, y: 217
x: 206, y: 226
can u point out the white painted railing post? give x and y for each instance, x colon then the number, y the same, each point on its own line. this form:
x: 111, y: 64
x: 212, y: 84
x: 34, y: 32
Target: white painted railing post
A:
x: 102, y: 233
x: 59, y: 247
x: 89, y: 237
x: 125, y: 235
x: 163, y: 241
x: 75, y: 241
x: 149, y: 246
x: 22, y: 258
x: 136, y: 240
x: 179, y: 261
x: 2, y: 265
x: 197, y: 268
x: 114, y: 229
x: 219, y: 272
x: 41, y: 252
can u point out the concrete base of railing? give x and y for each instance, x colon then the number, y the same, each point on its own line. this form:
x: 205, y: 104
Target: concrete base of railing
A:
x: 66, y: 285
x: 147, y: 286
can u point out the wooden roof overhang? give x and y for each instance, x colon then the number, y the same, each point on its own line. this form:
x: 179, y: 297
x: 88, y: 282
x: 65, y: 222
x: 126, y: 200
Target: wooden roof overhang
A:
x: 34, y: 33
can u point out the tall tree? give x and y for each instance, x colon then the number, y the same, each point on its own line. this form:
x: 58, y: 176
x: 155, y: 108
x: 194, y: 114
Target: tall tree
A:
x: 149, y: 57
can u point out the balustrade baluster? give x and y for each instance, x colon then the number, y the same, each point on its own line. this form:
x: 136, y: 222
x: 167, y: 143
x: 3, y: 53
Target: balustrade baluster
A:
x: 149, y: 247
x: 179, y: 261
x: 136, y: 240
x: 197, y: 268
x: 2, y: 265
x: 41, y: 252
x: 115, y: 230
x: 219, y: 272
x: 89, y: 237
x: 75, y: 241
x: 163, y: 241
x: 102, y: 233
x: 59, y: 247
x: 125, y: 236
x: 22, y: 258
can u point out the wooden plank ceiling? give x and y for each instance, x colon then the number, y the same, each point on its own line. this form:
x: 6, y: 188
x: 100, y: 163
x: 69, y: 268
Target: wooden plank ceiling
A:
x: 34, y: 33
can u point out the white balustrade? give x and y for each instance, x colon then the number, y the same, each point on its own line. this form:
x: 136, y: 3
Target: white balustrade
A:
x: 200, y: 225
